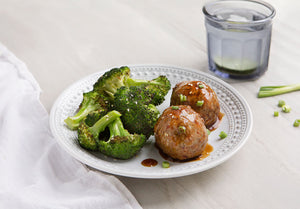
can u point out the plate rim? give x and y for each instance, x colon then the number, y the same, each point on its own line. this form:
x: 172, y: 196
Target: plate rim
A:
x: 165, y: 175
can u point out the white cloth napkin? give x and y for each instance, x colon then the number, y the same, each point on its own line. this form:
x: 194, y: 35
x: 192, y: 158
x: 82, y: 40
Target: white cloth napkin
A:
x: 34, y: 171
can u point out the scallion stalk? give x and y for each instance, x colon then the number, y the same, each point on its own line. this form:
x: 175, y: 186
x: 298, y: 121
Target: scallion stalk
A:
x: 267, y: 91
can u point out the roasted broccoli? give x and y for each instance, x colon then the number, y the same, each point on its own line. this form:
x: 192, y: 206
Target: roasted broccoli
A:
x: 161, y: 84
x: 101, y: 95
x: 107, y: 85
x: 117, y: 77
x: 111, y: 80
x: 121, y: 144
x: 138, y: 94
x: 90, y: 128
x: 138, y: 114
x: 91, y: 101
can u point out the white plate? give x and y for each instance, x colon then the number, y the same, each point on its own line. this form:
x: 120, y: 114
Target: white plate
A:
x: 237, y: 123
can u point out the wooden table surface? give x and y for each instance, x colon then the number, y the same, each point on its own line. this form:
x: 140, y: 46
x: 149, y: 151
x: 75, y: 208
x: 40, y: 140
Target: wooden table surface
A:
x: 62, y: 41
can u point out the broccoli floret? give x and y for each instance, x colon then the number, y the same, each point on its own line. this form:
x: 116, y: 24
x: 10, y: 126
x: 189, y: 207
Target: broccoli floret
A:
x: 161, y: 84
x: 91, y: 101
x: 111, y: 80
x: 117, y: 77
x: 101, y: 95
x: 90, y: 128
x: 138, y: 114
x: 121, y: 144
x: 139, y: 94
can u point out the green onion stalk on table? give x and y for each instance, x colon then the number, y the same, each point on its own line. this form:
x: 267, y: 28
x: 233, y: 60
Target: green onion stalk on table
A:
x: 268, y: 91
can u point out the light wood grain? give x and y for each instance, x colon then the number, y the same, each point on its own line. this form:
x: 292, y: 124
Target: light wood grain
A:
x: 62, y: 41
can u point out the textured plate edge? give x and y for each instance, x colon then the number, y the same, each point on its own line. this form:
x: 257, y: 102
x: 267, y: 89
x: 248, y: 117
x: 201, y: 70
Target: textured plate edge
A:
x: 165, y: 175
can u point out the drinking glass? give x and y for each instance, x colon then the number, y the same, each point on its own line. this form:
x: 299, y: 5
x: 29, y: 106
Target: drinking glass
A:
x: 238, y: 37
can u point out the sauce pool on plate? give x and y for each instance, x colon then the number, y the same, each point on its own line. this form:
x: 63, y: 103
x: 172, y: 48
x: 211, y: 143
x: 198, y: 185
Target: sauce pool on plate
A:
x: 149, y: 162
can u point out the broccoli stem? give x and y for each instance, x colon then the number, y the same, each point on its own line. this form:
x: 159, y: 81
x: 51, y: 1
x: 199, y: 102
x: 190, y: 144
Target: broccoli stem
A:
x: 118, y: 82
x: 267, y: 91
x: 101, y: 124
x: 116, y: 128
x: 73, y: 122
x: 112, y: 88
x: 138, y: 82
x: 135, y: 82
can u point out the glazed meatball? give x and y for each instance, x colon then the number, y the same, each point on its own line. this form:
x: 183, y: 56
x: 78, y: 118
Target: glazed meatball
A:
x: 180, y: 132
x: 200, y: 97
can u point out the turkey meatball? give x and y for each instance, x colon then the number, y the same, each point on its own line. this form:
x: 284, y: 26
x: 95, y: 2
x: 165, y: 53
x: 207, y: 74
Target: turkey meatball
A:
x: 180, y: 132
x: 200, y: 97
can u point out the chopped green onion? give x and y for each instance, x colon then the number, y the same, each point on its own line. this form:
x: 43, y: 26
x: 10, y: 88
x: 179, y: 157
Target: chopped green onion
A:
x: 281, y: 103
x: 267, y: 91
x: 200, y: 103
x: 175, y: 108
x: 297, y: 123
x: 276, y: 113
x: 222, y: 135
x: 201, y: 86
x: 182, y: 98
x: 208, y: 131
x: 286, y: 108
x: 182, y: 129
x: 165, y: 164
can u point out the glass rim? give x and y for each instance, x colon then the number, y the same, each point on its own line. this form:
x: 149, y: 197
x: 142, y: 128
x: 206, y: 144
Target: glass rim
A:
x: 263, y: 3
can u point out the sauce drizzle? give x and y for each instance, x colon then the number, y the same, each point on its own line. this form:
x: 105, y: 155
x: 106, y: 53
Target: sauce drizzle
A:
x: 149, y: 162
x: 217, y: 123
x: 206, y: 152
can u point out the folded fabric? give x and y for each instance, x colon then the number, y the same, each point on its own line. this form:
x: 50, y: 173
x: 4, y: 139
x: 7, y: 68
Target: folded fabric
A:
x: 35, y: 171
